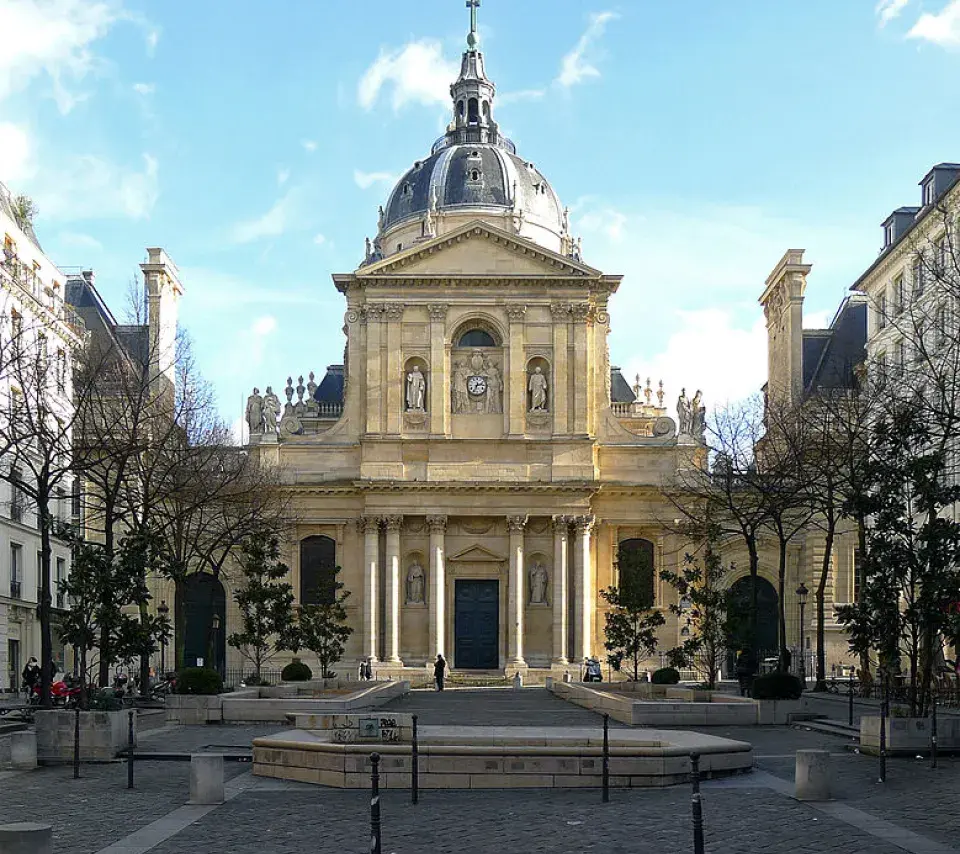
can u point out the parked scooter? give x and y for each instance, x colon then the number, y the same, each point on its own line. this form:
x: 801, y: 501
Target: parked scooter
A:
x: 163, y: 687
x: 64, y: 692
x: 592, y: 670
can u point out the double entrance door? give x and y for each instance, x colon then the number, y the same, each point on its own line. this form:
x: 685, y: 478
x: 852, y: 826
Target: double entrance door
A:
x: 477, y: 625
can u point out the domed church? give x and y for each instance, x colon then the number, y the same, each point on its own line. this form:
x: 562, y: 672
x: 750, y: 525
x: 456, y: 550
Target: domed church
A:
x: 476, y: 466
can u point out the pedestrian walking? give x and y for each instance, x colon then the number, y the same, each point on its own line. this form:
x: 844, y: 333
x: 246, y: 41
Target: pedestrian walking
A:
x: 438, y: 670
x: 31, y: 677
x: 745, y: 669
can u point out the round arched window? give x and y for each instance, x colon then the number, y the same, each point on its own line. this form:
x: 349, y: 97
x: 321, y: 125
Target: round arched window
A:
x: 476, y: 338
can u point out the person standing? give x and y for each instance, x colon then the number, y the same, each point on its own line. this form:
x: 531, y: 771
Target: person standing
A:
x: 439, y: 668
x: 31, y: 677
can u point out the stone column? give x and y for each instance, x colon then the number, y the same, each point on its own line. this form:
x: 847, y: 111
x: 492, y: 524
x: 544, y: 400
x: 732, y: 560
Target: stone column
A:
x: 561, y: 547
x: 581, y: 379
x: 517, y: 598
x: 584, y: 598
x: 516, y: 378
x: 438, y: 614
x: 395, y: 385
x: 370, y: 527
x: 438, y: 386
x: 393, y: 524
x: 374, y: 373
x: 560, y: 406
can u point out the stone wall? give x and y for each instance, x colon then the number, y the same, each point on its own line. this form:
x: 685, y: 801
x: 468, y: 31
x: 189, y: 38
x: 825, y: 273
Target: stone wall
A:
x: 102, y: 736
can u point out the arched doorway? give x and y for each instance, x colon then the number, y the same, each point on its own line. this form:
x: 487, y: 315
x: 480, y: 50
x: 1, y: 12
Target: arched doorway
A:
x: 199, y: 598
x: 768, y: 619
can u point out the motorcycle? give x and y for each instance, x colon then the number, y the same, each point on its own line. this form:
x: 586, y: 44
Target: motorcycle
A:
x: 64, y: 692
x: 163, y: 687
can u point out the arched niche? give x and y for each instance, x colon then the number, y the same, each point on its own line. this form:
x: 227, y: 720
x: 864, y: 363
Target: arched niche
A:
x: 415, y: 580
x: 539, y: 366
x: 539, y: 577
x: 318, y: 561
x: 637, y: 571
x: 411, y: 393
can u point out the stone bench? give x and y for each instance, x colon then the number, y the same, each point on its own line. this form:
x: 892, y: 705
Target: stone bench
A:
x: 26, y: 838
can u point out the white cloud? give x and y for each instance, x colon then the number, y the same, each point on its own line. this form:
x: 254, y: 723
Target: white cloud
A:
x: 736, y: 367
x: 263, y: 326
x: 365, y: 180
x: 14, y: 153
x: 319, y: 240
x: 88, y: 187
x: 818, y: 319
x: 309, y: 145
x: 78, y: 240
x: 152, y: 38
x: 283, y: 175
x: 887, y: 10
x: 418, y: 73
x: 272, y: 224
x: 144, y: 88
x: 941, y: 28
x: 576, y: 67
x: 52, y: 38
x: 605, y: 220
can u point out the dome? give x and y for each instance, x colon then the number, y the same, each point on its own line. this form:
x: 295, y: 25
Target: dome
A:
x: 473, y: 172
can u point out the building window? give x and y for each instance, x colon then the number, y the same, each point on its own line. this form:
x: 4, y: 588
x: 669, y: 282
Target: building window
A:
x: 900, y: 294
x: 635, y: 564
x: 880, y: 369
x: 888, y: 234
x: 16, y: 571
x: 318, y: 560
x: 929, y: 192
x: 16, y: 325
x: 61, y: 578
x: 476, y: 338
x: 918, y: 277
x: 61, y: 372
x: 901, y: 356
x: 16, y: 495
x: 882, y: 311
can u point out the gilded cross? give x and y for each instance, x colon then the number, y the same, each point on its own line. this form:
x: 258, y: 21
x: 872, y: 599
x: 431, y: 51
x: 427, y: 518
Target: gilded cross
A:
x: 473, y: 5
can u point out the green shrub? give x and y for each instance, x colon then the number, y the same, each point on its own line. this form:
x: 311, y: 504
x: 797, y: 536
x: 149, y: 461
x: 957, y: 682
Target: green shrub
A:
x: 665, y: 676
x: 777, y: 686
x: 204, y: 681
x: 296, y: 671
x: 104, y: 700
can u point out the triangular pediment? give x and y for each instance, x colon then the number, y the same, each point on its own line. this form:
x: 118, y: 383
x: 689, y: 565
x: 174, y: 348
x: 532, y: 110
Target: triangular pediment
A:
x: 478, y: 249
x: 477, y: 554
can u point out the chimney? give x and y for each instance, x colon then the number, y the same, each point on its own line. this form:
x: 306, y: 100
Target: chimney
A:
x: 163, y: 291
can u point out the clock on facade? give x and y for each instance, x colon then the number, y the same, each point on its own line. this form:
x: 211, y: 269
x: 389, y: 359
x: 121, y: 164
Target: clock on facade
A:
x: 477, y: 386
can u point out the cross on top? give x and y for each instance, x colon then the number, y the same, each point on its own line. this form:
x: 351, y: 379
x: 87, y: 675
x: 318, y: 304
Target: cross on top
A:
x: 473, y: 5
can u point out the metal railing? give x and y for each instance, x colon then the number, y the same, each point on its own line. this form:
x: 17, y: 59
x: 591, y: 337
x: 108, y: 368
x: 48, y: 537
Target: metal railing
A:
x: 236, y: 677
x: 16, y: 590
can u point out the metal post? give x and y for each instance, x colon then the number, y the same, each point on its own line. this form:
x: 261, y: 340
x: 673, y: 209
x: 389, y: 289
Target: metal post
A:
x: 933, y: 732
x: 606, y: 759
x: 130, y: 750
x: 695, y: 772
x: 414, y: 767
x: 375, y: 804
x: 697, y: 823
x: 850, y: 698
x: 883, y: 733
x: 76, y: 743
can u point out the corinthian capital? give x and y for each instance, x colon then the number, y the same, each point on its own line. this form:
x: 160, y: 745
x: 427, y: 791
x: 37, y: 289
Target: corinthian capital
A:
x: 437, y: 524
x: 516, y: 524
x: 516, y: 313
x: 585, y: 524
x: 561, y: 524
x: 437, y: 310
x: 394, y: 310
x: 393, y: 523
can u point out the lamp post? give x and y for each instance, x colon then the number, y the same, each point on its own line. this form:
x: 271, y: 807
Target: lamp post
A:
x: 163, y: 610
x: 216, y: 634
x: 802, y: 594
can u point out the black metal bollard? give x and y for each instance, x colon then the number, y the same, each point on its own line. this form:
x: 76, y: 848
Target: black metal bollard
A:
x: 695, y: 772
x: 76, y: 743
x: 697, y: 806
x: 606, y: 759
x: 375, y: 804
x: 850, y: 698
x: 130, y: 750
x: 883, y: 737
x: 414, y: 766
x: 933, y: 731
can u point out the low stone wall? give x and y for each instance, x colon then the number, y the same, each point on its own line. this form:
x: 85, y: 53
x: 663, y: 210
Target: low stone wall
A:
x: 276, y: 705
x: 488, y: 767
x: 102, y: 735
x: 643, y: 704
x: 909, y: 736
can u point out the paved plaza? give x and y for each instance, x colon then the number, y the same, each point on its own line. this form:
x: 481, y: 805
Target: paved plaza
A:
x: 914, y: 811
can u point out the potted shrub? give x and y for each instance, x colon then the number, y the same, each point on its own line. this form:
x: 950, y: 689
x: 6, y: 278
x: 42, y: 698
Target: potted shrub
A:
x: 778, y: 696
x: 197, y: 700
x: 665, y: 676
x: 296, y: 671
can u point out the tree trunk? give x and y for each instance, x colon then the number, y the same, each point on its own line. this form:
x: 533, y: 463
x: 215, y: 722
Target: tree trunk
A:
x: 106, y: 654
x: 821, y: 684
x: 754, y: 571
x: 781, y: 605
x: 865, y: 676
x: 46, y: 633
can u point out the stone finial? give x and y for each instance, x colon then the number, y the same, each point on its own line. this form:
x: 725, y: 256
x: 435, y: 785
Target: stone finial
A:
x: 288, y: 391
x: 636, y: 387
x: 648, y: 392
x: 660, y: 394
x: 300, y: 389
x: 312, y: 385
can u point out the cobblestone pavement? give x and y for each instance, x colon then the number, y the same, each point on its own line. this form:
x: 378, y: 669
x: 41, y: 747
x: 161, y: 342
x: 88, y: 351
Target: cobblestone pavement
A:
x: 742, y: 814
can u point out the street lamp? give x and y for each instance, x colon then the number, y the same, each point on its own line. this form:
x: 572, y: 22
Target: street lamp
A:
x: 802, y: 594
x: 216, y: 634
x: 163, y: 610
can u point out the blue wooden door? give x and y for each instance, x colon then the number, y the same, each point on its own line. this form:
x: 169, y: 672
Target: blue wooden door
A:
x: 477, y: 625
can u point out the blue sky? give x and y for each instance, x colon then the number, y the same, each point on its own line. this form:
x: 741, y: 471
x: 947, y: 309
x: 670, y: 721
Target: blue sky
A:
x: 694, y: 141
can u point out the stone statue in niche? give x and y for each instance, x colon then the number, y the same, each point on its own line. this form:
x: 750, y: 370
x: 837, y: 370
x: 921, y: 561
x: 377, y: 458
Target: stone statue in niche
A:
x: 494, y: 392
x: 461, y: 397
x: 538, y: 584
x: 271, y: 411
x: 698, y: 417
x: 415, y: 584
x: 254, y: 413
x: 684, y: 414
x: 416, y: 390
x: 538, y: 391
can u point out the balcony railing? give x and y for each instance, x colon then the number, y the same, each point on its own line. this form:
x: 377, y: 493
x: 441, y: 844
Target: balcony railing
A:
x: 26, y: 279
x: 16, y: 590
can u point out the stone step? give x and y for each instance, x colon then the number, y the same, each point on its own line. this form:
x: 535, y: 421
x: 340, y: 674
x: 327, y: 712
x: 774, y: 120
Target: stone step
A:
x: 831, y: 727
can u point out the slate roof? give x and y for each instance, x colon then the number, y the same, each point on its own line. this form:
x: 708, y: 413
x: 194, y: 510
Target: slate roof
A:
x: 620, y: 391
x: 330, y: 389
x: 831, y: 355
x: 81, y: 293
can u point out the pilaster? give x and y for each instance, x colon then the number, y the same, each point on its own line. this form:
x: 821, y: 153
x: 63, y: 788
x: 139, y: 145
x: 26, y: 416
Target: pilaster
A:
x: 581, y: 381
x: 583, y: 567
x: 516, y: 383
x: 369, y: 526
x: 374, y: 373
x: 439, y: 383
x: 561, y: 370
x: 516, y: 598
x: 437, y: 626
x: 395, y: 385
x: 561, y: 554
x: 393, y: 525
